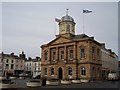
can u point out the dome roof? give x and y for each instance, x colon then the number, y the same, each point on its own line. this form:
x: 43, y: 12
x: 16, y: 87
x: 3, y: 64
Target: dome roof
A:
x: 67, y: 18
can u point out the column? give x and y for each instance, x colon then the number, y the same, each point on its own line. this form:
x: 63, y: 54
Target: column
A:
x: 65, y: 53
x: 57, y: 54
x: 49, y: 55
x: 75, y: 52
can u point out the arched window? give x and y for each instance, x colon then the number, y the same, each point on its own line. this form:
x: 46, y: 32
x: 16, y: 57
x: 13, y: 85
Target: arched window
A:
x: 83, y: 71
x: 69, y: 71
x: 52, y: 71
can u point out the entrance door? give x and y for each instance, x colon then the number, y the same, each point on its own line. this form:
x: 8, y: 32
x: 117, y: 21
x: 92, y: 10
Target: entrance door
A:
x: 60, y: 73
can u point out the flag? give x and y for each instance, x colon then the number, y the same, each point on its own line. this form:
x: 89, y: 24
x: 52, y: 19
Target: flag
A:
x: 86, y: 11
x: 57, y: 20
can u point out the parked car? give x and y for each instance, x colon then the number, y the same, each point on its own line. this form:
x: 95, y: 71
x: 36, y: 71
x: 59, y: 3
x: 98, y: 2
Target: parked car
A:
x: 37, y: 77
x: 112, y: 76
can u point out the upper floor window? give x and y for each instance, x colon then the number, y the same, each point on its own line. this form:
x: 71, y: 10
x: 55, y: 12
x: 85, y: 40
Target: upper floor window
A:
x: 45, y: 55
x: 52, y: 71
x: 93, y: 53
x: 12, y: 61
x: 7, y: 61
x: 83, y: 71
x: 54, y: 56
x: 71, y: 54
x: 7, y: 66
x: 62, y: 55
x: 82, y: 53
x: 27, y: 68
x: 12, y: 66
x: 69, y: 71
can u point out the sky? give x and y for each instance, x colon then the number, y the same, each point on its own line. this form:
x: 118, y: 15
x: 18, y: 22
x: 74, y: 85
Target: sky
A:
x: 28, y: 25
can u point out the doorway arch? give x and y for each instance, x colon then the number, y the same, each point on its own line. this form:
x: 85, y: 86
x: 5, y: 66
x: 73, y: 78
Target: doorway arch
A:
x: 60, y: 73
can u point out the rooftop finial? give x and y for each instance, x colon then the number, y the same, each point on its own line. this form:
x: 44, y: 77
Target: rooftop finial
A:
x: 67, y: 10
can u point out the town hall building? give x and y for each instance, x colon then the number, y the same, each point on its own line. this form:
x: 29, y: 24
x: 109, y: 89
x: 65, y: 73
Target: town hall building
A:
x: 71, y: 56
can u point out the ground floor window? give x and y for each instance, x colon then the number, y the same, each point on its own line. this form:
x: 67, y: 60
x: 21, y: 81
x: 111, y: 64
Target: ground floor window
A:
x: 69, y: 71
x: 52, y: 71
x: 83, y: 71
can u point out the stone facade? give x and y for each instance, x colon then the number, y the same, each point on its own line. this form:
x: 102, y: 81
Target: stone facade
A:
x: 71, y: 56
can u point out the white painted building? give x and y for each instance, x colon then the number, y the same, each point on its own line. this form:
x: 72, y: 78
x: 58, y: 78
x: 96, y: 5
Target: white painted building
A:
x: 33, y: 66
x: 36, y: 67
x: 28, y: 66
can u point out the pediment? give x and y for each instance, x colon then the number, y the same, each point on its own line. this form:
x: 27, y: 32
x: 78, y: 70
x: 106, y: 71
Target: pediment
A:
x: 59, y: 40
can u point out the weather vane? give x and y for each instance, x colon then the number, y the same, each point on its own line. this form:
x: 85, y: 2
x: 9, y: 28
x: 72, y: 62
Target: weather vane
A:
x: 67, y: 10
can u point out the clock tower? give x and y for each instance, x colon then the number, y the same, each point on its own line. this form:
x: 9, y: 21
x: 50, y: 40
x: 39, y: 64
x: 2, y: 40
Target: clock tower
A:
x: 67, y: 25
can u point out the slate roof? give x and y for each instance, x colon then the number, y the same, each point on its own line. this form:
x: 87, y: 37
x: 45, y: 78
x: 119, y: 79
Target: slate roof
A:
x: 80, y: 36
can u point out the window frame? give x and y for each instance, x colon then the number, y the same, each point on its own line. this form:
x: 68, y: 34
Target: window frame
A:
x: 71, y: 54
x: 52, y: 71
x: 83, y: 71
x: 69, y: 71
x: 54, y: 55
x: 62, y: 55
x: 82, y: 53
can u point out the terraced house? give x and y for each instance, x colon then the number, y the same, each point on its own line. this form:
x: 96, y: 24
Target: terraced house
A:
x: 71, y: 56
x: 12, y: 64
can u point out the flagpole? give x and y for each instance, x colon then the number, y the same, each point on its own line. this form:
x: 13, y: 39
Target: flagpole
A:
x: 83, y: 22
x: 85, y: 11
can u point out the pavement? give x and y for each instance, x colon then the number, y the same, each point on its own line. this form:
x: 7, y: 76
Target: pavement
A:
x: 21, y: 83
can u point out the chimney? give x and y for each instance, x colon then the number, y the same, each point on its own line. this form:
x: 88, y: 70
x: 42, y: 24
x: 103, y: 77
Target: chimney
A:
x: 92, y: 38
x: 29, y: 58
x: 12, y: 54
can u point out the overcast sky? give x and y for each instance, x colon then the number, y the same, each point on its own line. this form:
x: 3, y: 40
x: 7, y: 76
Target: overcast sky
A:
x: 28, y: 25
